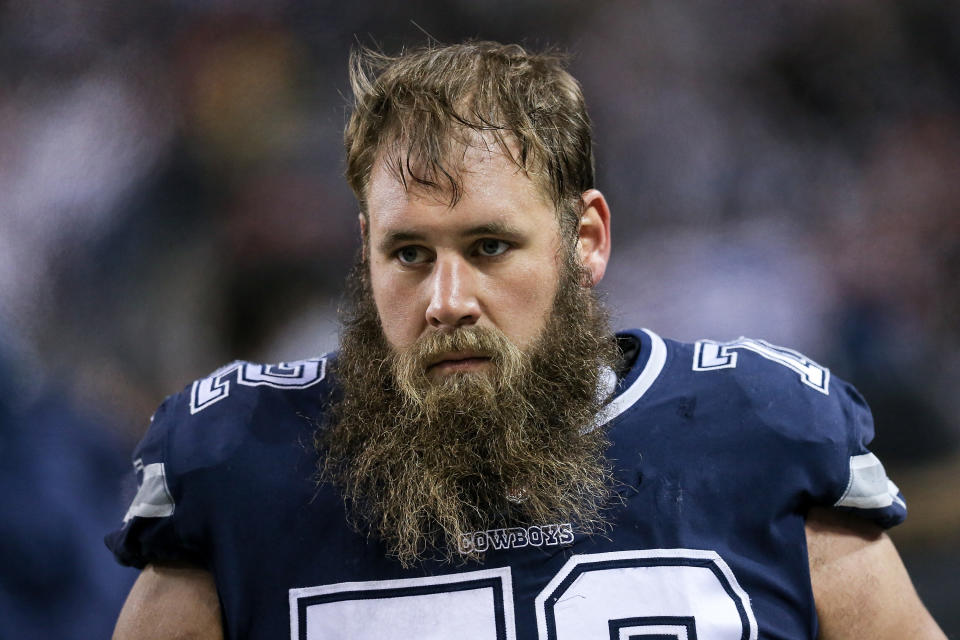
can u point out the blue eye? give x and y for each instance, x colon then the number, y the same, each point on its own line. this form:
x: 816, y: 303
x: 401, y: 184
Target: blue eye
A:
x: 411, y: 255
x: 490, y: 247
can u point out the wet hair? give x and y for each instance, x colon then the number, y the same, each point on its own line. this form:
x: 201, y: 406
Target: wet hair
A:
x: 419, y: 110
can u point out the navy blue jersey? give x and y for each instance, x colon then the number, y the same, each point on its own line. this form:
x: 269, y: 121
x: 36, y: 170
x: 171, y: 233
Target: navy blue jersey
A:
x: 721, y: 449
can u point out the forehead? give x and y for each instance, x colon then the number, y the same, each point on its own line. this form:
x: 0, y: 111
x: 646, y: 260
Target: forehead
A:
x: 492, y: 186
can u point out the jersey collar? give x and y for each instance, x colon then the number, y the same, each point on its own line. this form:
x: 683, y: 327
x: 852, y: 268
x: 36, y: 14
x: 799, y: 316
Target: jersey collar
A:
x: 645, y: 371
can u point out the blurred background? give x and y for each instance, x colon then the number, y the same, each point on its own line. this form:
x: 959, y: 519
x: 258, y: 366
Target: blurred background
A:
x: 171, y: 199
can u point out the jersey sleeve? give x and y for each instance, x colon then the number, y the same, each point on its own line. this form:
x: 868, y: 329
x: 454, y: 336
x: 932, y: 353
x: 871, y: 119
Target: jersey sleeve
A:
x: 153, y: 529
x: 825, y: 428
x: 861, y: 484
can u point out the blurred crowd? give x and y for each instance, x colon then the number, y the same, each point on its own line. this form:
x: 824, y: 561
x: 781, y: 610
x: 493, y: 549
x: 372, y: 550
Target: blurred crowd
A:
x: 171, y: 199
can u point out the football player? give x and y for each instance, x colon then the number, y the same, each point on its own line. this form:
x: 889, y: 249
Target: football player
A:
x: 484, y: 457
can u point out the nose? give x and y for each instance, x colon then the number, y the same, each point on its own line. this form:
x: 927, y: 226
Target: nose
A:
x: 453, y: 299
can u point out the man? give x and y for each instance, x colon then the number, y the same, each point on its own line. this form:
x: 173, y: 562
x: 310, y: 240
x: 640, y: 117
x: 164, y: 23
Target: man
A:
x: 482, y: 458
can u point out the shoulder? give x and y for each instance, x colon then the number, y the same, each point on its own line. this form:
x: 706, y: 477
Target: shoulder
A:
x: 209, y: 445
x: 768, y: 407
x: 767, y: 377
x: 785, y: 391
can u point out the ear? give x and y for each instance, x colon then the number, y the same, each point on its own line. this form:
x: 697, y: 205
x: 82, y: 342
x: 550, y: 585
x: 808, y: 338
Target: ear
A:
x: 593, y: 243
x: 363, y: 236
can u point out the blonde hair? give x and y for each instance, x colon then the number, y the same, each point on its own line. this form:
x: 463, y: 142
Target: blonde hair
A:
x: 418, y: 109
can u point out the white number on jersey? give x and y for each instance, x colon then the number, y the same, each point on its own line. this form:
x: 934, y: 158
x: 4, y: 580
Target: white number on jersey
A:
x: 686, y: 594
x: 709, y: 355
x: 286, y: 375
x: 471, y: 605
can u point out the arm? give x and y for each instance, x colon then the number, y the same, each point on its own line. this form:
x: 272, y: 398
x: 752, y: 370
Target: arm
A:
x: 171, y: 602
x: 860, y: 585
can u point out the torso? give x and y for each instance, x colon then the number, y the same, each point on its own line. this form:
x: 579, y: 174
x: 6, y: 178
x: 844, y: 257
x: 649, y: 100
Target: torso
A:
x: 707, y: 541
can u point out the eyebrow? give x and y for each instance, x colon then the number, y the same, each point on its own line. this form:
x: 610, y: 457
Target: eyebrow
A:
x: 397, y: 237
x: 491, y: 229
x: 394, y: 238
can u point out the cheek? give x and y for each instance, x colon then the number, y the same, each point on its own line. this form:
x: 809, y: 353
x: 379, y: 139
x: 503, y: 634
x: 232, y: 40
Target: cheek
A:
x: 396, y: 306
x: 525, y: 302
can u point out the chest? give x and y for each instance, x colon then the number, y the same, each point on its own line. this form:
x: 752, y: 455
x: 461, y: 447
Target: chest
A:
x: 684, y: 557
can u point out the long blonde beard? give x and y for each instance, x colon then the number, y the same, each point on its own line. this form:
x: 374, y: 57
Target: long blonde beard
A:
x: 422, y: 463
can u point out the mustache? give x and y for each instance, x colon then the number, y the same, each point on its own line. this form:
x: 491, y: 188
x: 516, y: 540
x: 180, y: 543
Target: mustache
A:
x: 481, y: 341
x: 410, y: 366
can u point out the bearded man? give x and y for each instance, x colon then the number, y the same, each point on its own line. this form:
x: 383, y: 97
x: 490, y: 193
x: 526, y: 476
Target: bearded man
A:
x: 484, y: 457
